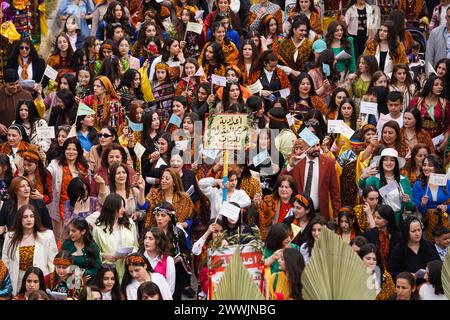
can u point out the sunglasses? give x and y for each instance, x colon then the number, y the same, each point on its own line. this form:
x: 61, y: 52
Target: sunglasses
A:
x: 104, y: 135
x: 24, y: 48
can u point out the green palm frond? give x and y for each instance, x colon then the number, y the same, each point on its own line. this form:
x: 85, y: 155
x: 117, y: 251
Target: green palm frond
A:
x: 236, y: 283
x: 335, y: 272
x: 445, y: 275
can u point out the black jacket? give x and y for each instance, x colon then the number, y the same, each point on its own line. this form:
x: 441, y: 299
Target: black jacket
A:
x: 38, y: 66
x: 373, y: 237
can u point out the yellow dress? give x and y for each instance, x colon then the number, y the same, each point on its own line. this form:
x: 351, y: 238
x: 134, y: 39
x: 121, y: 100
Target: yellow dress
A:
x: 277, y: 285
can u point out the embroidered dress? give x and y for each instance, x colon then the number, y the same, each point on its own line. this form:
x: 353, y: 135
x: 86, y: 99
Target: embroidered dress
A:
x: 29, y: 18
x: 26, y: 255
x: 163, y: 94
x: 436, y: 119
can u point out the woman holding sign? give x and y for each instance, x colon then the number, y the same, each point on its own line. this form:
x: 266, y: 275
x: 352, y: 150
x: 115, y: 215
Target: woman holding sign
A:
x: 431, y: 194
x: 394, y: 188
x: 340, y: 42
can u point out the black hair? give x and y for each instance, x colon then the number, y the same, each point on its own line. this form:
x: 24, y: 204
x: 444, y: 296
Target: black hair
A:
x: 92, y: 133
x: 428, y: 86
x: 147, y: 141
x: 295, y: 93
x: 367, y: 248
x: 165, y: 51
x: 353, y: 117
x: 80, y: 157
x: 309, y: 239
x: 69, y: 112
x: 358, y: 241
x: 98, y: 280
x: 111, y: 69
x: 16, y: 50
x: 294, y: 266
x: 219, y: 56
x: 434, y: 276
x: 33, y: 114
x: 113, y: 44
x: 394, y: 96
x: 299, y: 20
x: 439, y: 231
x: 76, y: 192
x: 387, y: 213
x: 150, y: 289
x: 213, y: 28
x: 276, y: 234
x: 111, y: 206
x: 412, y: 282
x: 37, y: 271
x: 88, y: 240
x: 71, y: 81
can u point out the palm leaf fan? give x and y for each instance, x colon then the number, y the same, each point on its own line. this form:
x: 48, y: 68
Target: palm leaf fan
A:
x: 236, y: 283
x: 335, y: 272
x: 445, y: 275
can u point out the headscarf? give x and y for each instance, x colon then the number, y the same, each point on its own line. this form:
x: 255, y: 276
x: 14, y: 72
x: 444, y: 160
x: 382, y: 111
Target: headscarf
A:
x: 108, y: 86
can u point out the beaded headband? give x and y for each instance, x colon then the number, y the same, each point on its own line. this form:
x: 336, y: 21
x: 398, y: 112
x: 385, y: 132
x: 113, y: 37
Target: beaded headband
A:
x: 134, y: 260
x: 302, y: 200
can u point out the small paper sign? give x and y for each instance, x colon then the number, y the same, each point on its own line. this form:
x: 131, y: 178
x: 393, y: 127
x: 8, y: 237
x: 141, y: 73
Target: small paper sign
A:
x: 369, y: 108
x: 230, y: 211
x: 210, y: 153
x: 290, y: 119
x: 200, y: 72
x: 199, y: 14
x: 46, y: 132
x: 135, y: 126
x: 438, y: 139
x: 218, y: 80
x: 284, y: 93
x: 431, y: 69
x: 139, y: 149
x: 343, y: 55
x: 326, y: 69
x: 194, y: 27
x: 50, y: 72
x: 182, y: 145
x: 309, y: 137
x: 176, y: 120
x: 255, y: 88
x: 123, y: 252
x: 72, y: 132
x: 388, y: 188
x: 84, y: 110
x: 345, y: 130
x: 260, y: 157
x: 437, y: 179
x: 333, y: 125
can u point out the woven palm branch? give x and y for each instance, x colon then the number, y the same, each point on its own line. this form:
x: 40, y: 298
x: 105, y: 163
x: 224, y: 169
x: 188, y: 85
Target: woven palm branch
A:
x: 335, y: 272
x: 236, y: 283
x: 445, y: 276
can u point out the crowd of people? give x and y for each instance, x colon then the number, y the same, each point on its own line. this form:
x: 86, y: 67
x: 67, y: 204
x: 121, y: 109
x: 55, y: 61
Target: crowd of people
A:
x: 108, y: 192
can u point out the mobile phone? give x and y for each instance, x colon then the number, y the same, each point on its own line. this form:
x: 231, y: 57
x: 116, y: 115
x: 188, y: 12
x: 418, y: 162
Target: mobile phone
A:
x: 421, y: 273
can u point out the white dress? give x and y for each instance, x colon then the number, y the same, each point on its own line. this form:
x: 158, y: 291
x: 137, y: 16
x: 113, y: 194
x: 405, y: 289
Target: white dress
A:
x: 158, y: 279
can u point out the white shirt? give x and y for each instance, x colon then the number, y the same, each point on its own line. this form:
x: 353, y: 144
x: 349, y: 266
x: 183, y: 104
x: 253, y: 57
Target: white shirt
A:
x: 268, y: 75
x: 215, y: 196
x: 29, y: 71
x: 156, y: 278
x: 106, y: 295
x: 170, y: 269
x: 315, y: 181
x: 426, y: 292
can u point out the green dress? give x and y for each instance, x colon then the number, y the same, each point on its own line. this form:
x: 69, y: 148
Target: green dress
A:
x: 406, y: 189
x: 274, y: 267
x: 82, y: 261
x: 341, y: 64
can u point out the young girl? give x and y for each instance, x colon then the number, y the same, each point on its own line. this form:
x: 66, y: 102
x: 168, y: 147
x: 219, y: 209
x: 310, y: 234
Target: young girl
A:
x: 202, y: 99
x: 271, y: 33
x: 62, y: 279
x: 84, y: 251
x: 191, y: 39
x: 248, y: 59
x: 402, y: 81
x: 209, y: 239
x: 218, y: 35
x: 107, y: 280
x: 62, y: 58
x: 154, y: 247
x: 28, y: 116
x: 34, y: 169
x: 312, y: 234
x: 347, y: 227
x: 190, y: 79
x: 163, y: 91
x: 347, y: 113
x: 301, y: 215
x: 365, y: 211
x: 55, y: 149
x: 127, y: 61
x: 84, y: 78
x: 366, y: 67
x: 137, y: 271
x: 86, y: 132
x: 212, y: 60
